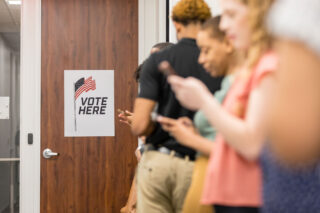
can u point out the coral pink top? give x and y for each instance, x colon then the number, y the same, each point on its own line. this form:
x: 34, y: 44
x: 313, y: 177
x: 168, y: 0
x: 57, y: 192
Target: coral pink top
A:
x: 231, y: 180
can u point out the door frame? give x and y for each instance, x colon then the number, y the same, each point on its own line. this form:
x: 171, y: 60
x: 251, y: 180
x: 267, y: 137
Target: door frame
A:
x: 30, y: 106
x: 154, y: 29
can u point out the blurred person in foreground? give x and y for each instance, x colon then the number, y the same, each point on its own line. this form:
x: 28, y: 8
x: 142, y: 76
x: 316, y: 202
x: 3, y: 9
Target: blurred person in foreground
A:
x: 164, y: 172
x: 291, y: 162
x: 234, y: 178
x: 218, y: 57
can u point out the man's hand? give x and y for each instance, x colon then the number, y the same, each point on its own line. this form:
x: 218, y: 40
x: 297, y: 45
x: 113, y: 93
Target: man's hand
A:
x: 125, y: 117
x: 181, y: 129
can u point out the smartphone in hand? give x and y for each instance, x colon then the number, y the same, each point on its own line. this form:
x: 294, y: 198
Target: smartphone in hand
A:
x: 120, y: 111
x: 166, y: 69
x: 154, y: 116
x: 124, y: 112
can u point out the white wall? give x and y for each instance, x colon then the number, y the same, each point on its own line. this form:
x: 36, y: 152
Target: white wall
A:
x: 215, y: 10
x: 152, y: 25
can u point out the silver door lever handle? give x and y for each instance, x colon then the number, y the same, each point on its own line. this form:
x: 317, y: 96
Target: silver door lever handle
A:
x: 47, y: 153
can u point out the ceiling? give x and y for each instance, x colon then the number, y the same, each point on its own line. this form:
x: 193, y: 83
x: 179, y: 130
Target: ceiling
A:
x: 9, y: 17
x: 10, y: 24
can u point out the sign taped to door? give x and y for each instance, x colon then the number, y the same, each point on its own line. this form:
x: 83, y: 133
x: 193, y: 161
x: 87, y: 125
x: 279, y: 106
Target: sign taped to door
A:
x: 88, y: 103
x: 4, y: 108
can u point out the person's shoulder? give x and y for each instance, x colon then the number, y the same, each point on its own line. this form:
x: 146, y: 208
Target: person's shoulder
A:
x: 268, y: 61
x: 267, y: 64
x: 167, y: 54
x: 166, y: 51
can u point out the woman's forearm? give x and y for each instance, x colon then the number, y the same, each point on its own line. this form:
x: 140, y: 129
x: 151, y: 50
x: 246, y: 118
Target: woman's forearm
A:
x: 199, y: 143
x: 238, y: 133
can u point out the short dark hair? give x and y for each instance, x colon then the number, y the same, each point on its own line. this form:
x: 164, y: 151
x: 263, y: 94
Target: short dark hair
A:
x: 137, y: 72
x: 162, y: 45
x: 212, y: 25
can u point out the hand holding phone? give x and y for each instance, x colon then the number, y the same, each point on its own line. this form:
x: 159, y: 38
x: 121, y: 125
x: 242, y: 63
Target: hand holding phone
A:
x: 120, y: 111
x: 125, y: 116
x: 124, y: 112
x: 154, y: 116
x: 166, y: 69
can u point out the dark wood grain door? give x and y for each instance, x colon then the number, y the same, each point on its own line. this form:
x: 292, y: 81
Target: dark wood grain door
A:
x: 91, y: 174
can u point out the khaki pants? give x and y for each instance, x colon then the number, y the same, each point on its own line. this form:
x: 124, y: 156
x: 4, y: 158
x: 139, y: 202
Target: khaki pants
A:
x: 163, y: 182
x: 192, y: 202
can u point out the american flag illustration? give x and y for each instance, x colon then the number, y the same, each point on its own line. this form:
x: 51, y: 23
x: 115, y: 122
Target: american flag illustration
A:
x: 84, y: 85
x: 81, y: 86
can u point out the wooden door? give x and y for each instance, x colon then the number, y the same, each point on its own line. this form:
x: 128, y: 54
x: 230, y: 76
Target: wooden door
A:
x: 91, y: 174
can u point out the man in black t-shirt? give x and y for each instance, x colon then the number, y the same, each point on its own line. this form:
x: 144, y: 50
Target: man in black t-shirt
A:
x: 165, y: 170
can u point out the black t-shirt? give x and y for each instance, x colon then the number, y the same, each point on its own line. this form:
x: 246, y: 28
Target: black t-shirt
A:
x: 183, y: 57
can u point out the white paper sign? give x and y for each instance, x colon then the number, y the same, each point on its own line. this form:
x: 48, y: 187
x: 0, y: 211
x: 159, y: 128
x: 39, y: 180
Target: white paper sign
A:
x: 88, y: 103
x: 4, y: 107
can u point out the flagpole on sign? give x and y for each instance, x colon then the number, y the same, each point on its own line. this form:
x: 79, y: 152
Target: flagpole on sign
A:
x: 75, y: 109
